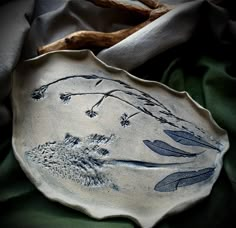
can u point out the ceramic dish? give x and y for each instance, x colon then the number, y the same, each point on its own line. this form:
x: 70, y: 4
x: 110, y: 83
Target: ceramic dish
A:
x: 104, y: 142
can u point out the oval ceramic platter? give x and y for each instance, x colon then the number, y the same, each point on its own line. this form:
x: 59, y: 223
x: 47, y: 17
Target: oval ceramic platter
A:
x: 104, y: 142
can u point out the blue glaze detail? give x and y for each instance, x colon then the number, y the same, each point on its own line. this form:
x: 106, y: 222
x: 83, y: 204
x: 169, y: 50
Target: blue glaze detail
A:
x: 125, y: 119
x: 181, y: 179
x: 79, y: 160
x: 65, y: 97
x: 142, y: 164
x: 98, y: 82
x: 39, y: 93
x: 91, y: 113
x: 165, y: 149
x: 142, y: 99
x: 188, y: 139
x: 70, y: 139
x: 92, y: 76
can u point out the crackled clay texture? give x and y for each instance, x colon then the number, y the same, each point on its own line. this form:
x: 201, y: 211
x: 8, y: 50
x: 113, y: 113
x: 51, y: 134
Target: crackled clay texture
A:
x: 104, y: 142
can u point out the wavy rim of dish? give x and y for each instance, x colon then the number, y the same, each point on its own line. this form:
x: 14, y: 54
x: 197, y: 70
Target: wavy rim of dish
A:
x: 52, y: 194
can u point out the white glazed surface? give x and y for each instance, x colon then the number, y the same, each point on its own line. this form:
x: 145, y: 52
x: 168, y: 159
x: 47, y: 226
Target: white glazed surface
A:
x: 127, y: 188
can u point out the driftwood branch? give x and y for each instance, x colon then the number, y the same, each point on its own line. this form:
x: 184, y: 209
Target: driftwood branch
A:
x: 151, y: 3
x: 85, y: 39
x: 90, y: 39
x: 145, y: 11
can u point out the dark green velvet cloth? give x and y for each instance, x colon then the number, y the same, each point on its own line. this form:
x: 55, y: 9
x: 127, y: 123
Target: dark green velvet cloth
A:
x: 206, y: 68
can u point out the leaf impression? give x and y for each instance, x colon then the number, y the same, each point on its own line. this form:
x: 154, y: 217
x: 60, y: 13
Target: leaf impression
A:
x: 165, y: 149
x: 181, y: 179
x: 188, y: 139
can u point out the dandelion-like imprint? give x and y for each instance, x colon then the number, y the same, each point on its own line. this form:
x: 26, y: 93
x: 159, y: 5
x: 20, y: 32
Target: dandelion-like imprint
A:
x: 79, y: 160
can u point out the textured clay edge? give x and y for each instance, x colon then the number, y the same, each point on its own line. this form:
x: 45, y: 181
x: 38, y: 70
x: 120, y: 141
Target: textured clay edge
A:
x: 54, y: 196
